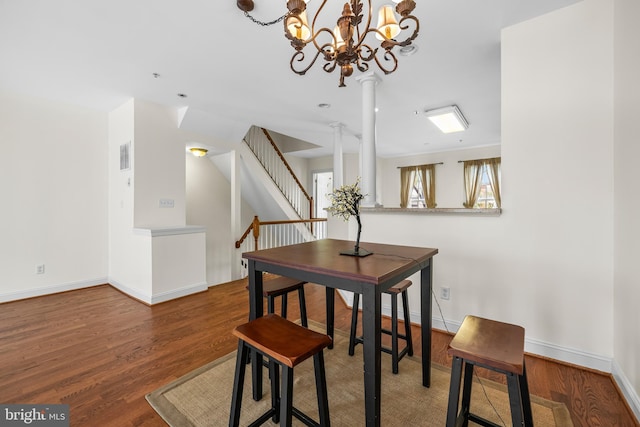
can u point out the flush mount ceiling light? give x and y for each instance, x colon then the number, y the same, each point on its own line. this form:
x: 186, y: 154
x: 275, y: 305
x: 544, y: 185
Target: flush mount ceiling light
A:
x: 346, y: 46
x: 448, y: 119
x: 198, y: 152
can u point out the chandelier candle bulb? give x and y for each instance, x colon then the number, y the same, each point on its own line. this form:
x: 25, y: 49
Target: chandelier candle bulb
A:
x: 387, y: 24
x: 298, y: 26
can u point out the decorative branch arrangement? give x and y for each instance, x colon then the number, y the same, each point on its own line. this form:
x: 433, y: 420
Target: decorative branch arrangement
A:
x: 345, y: 202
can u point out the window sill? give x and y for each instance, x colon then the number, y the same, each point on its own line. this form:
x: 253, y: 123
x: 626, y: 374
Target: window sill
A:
x: 436, y: 211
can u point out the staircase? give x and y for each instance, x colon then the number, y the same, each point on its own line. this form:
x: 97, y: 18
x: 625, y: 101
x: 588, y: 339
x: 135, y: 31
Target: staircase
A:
x: 273, y: 162
x: 269, y: 185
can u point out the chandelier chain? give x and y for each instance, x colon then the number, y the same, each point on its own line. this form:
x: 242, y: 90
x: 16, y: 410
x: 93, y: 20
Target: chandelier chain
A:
x: 265, y: 24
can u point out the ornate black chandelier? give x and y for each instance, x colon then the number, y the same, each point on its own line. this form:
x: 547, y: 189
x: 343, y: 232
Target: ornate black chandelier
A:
x: 347, y: 45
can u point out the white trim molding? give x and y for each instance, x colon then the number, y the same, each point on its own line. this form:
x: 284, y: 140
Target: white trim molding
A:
x: 630, y: 394
x: 169, y: 231
x: 533, y: 346
x: 545, y: 349
x: 161, y: 297
x: 53, y: 289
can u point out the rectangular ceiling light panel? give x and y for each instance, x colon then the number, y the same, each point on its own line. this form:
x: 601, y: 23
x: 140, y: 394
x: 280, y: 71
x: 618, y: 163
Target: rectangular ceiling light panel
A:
x: 448, y: 119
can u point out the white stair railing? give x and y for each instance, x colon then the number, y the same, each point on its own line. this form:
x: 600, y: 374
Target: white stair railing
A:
x: 273, y: 161
x: 272, y: 234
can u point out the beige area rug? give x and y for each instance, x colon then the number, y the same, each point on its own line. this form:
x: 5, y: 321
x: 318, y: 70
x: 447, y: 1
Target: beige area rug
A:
x: 203, y: 397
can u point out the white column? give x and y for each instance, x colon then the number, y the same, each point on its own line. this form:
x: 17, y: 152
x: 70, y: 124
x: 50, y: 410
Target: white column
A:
x: 337, y: 155
x: 368, y: 186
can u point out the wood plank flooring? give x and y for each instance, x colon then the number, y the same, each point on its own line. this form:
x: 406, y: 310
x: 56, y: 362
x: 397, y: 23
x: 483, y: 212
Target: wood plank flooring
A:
x: 100, y: 352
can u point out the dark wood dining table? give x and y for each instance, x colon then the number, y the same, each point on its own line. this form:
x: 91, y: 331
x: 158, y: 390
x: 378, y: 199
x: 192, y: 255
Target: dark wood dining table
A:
x: 320, y: 262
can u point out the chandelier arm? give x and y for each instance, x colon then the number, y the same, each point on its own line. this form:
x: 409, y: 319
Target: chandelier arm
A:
x: 389, y: 44
x: 388, y: 56
x: 363, y: 67
x: 413, y: 36
x: 314, y: 34
x: 330, y: 66
x: 301, y: 57
x: 366, y: 52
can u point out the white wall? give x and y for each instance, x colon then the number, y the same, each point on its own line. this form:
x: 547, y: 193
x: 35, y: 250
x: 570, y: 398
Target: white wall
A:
x: 159, y: 166
x: 626, y: 201
x: 557, y: 142
x: 153, y: 256
x: 209, y: 204
x: 130, y: 267
x: 53, y: 181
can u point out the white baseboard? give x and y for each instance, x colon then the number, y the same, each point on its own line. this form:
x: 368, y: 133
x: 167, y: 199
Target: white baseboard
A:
x: 627, y: 389
x: 161, y: 297
x: 545, y: 349
x: 552, y: 351
x: 177, y: 293
x: 53, y: 289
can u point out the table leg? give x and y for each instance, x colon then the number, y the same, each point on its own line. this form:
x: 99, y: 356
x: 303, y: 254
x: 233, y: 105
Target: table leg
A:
x: 255, y: 310
x: 426, y: 278
x: 331, y: 304
x: 371, y: 312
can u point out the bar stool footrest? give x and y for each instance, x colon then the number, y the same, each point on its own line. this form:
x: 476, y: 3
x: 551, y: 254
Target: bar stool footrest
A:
x: 304, y: 418
x: 388, y: 332
x: 401, y: 353
x: 481, y: 421
x: 263, y: 418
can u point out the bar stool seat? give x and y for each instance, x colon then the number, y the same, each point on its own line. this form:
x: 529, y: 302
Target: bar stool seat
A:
x: 285, y: 344
x: 281, y: 286
x: 396, y: 355
x: 492, y: 345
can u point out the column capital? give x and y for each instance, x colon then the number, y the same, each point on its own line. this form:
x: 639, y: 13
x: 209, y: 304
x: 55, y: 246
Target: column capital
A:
x: 368, y: 77
x: 337, y: 125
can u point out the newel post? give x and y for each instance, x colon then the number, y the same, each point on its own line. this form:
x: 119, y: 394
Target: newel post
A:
x: 256, y: 232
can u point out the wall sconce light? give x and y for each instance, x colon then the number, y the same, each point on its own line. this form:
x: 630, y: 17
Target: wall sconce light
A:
x: 448, y: 119
x: 198, y: 152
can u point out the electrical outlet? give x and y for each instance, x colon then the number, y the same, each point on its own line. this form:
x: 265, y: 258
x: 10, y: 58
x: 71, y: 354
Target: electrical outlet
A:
x: 445, y: 293
x: 40, y: 269
x: 166, y: 203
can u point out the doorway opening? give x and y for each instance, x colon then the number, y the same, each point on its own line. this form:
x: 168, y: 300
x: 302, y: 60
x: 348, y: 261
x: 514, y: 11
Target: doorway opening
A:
x: 322, y: 187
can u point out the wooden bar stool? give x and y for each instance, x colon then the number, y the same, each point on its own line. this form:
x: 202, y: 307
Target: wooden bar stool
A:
x: 280, y: 286
x: 399, y: 288
x: 492, y: 345
x: 285, y: 344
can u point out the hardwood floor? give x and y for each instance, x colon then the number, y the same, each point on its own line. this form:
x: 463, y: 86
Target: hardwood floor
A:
x: 100, y: 352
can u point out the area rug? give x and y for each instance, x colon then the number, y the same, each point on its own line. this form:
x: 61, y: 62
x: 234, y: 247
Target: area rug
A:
x: 203, y: 397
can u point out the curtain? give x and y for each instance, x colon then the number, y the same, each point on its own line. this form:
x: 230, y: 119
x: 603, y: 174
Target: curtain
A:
x: 428, y: 176
x: 406, y: 181
x: 472, y: 178
x: 493, y: 171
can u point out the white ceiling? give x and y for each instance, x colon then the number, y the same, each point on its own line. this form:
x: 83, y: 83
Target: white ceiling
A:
x: 236, y: 73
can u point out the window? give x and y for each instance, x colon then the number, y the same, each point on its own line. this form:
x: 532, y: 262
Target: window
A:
x: 416, y: 198
x: 418, y: 186
x: 482, y: 183
x: 485, y: 194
